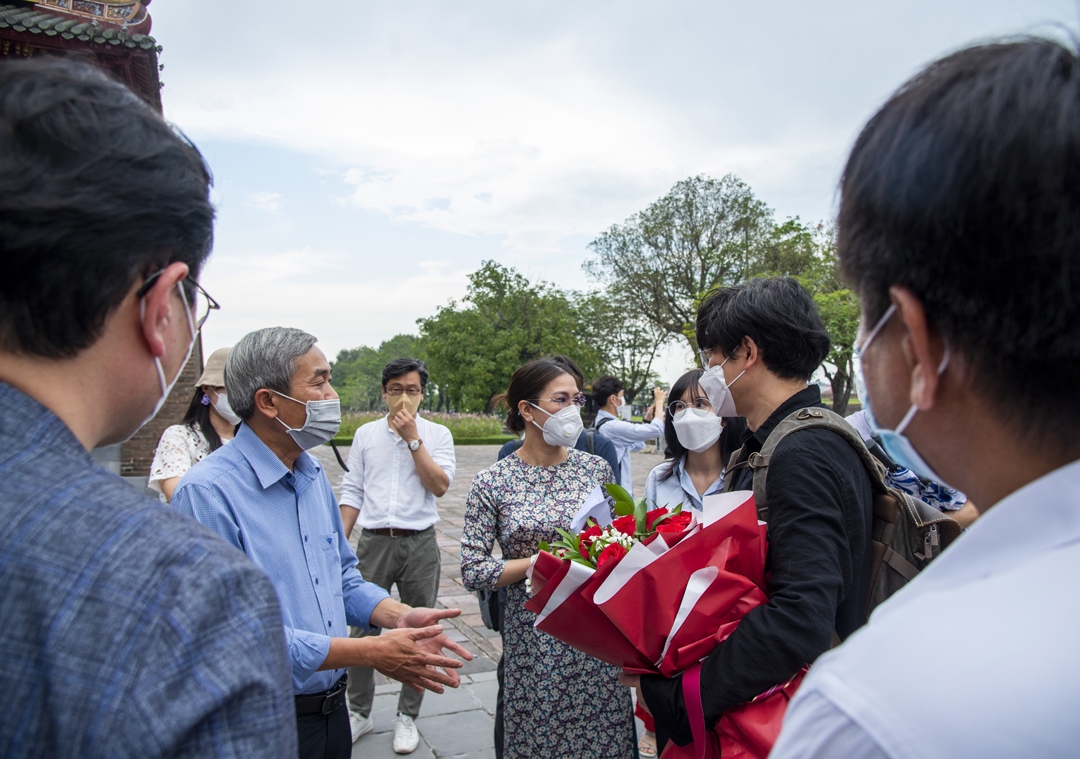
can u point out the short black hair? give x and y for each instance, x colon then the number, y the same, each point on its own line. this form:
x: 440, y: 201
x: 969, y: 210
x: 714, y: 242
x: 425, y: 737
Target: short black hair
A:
x: 963, y: 189
x: 605, y: 387
x: 400, y: 366
x: 96, y: 193
x: 777, y: 313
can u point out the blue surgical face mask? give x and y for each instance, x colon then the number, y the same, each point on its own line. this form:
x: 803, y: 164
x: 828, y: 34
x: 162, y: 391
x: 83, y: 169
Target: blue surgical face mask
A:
x: 895, y: 443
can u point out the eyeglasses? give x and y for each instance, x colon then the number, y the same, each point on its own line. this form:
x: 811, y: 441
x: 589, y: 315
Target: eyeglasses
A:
x: 198, y: 299
x: 677, y: 407
x: 562, y: 401
x: 705, y: 354
x: 412, y: 392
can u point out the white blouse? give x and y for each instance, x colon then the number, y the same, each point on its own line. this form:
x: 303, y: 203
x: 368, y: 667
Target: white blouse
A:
x: 180, y: 448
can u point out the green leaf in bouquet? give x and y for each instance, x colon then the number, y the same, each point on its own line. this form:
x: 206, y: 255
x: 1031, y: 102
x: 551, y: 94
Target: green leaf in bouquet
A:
x: 639, y: 512
x: 544, y: 546
x: 624, y: 502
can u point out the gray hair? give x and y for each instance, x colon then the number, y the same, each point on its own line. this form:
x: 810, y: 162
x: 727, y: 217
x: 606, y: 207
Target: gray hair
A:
x: 265, y: 358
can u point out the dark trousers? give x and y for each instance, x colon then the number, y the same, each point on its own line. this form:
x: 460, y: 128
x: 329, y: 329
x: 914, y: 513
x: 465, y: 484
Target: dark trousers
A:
x: 325, y: 736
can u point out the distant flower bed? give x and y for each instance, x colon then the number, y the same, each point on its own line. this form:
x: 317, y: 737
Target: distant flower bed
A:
x: 460, y: 425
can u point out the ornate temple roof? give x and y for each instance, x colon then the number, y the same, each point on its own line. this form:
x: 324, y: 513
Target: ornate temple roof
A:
x: 37, y: 20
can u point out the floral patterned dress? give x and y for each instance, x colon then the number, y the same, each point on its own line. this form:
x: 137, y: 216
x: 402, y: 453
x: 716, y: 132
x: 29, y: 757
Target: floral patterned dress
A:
x: 558, y: 702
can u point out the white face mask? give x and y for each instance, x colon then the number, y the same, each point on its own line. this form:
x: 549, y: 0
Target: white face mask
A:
x: 166, y: 387
x: 322, y: 422
x: 717, y: 390
x: 221, y: 405
x: 563, y: 428
x: 697, y: 429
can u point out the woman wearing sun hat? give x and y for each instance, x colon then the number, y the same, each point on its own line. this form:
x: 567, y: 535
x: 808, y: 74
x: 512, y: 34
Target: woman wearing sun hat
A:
x: 208, y: 424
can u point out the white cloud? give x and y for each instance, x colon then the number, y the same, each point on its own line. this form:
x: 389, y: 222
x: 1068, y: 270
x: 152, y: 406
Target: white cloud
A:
x: 270, y: 202
x: 325, y: 293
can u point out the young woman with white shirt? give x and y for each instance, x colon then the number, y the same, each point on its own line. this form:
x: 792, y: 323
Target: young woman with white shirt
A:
x: 698, y: 443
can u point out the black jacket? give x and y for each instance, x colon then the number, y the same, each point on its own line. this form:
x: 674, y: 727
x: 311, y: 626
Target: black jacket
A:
x: 820, y: 512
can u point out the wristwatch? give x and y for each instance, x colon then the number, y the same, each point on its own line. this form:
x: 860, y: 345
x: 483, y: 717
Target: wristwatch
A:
x: 415, y: 444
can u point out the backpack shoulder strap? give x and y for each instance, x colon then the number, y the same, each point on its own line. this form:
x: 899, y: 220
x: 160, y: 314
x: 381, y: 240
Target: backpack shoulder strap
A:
x: 803, y: 419
x: 590, y: 441
x: 601, y: 423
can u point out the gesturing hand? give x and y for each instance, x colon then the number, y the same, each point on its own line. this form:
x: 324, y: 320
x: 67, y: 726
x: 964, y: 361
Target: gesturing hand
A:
x: 413, y: 656
x: 422, y: 617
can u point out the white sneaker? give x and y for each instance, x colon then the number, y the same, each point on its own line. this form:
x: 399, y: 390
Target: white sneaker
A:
x: 359, y: 724
x: 406, y: 739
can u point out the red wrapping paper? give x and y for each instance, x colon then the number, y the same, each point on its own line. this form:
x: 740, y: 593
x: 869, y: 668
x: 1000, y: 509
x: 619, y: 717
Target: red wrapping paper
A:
x: 714, y: 573
x: 597, y: 636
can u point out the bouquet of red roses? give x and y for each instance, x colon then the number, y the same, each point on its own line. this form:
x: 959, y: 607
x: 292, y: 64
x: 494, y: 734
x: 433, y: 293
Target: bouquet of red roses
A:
x: 654, y: 592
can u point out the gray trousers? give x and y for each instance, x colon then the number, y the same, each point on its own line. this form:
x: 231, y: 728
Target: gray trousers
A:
x: 411, y: 563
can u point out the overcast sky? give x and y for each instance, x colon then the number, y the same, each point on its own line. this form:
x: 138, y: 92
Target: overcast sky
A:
x: 369, y: 155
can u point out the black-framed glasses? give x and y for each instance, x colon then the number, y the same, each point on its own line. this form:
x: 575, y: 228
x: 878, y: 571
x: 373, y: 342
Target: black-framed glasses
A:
x: 562, y: 401
x: 700, y: 404
x: 412, y: 392
x: 199, y: 301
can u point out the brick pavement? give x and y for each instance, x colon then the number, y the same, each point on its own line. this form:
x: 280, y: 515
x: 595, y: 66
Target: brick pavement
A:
x: 458, y: 723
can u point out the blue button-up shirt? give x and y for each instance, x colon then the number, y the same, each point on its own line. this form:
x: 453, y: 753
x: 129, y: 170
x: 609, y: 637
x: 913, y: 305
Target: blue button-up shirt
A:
x: 627, y: 437
x: 677, y: 488
x: 290, y: 525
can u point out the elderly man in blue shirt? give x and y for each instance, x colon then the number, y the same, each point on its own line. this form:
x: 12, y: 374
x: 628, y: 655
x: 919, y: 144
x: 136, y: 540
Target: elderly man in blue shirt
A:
x: 265, y: 495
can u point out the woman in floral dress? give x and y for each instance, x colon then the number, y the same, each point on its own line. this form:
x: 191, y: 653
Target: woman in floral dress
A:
x: 558, y: 702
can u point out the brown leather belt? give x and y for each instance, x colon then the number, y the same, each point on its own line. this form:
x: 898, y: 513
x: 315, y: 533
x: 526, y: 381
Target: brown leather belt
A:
x: 324, y: 703
x: 394, y: 532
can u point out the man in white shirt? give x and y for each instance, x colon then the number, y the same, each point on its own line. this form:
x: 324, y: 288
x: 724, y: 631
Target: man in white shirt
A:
x: 959, y: 228
x: 398, y: 466
x: 627, y: 437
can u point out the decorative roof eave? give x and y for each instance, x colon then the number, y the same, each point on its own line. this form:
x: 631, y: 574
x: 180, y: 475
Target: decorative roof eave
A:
x: 33, y: 21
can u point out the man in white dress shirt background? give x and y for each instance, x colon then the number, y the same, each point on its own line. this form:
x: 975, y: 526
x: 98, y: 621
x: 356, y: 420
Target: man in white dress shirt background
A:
x: 959, y: 229
x: 627, y: 437
x: 398, y: 466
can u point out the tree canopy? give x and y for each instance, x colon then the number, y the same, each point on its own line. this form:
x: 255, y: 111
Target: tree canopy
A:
x: 707, y: 233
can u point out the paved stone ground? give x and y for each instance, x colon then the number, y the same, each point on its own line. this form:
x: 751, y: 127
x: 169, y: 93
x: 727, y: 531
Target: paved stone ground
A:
x: 459, y: 723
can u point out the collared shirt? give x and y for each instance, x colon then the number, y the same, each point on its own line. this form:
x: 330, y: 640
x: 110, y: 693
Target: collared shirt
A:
x: 382, y: 481
x: 676, y: 488
x: 627, y: 437
x: 289, y: 524
x: 128, y: 630
x: 1004, y: 597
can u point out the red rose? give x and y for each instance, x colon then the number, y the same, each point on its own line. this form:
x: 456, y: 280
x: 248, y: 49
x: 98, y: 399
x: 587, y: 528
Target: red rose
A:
x: 626, y: 525
x: 652, y: 516
x: 587, y: 539
x: 613, y: 551
x: 675, y: 524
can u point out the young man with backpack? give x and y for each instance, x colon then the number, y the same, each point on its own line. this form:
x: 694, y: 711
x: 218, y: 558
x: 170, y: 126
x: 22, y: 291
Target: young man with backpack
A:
x: 959, y: 229
x: 762, y: 342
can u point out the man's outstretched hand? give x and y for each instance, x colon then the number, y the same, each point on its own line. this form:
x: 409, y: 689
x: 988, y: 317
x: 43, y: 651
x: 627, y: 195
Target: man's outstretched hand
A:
x: 412, y: 656
x: 417, y: 619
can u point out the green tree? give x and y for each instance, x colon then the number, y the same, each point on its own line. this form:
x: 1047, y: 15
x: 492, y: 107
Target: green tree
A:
x: 504, y: 321
x: 626, y: 341
x: 704, y: 233
x: 357, y: 372
x: 839, y: 310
